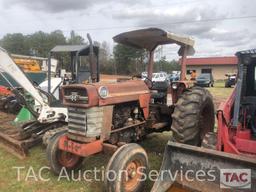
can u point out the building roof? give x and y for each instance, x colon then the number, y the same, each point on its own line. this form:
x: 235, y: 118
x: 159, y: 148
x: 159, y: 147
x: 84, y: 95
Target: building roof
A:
x: 231, y: 60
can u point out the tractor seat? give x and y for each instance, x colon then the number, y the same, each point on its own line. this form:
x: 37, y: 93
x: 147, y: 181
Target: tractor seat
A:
x: 160, y: 86
x: 157, y: 95
x: 159, y: 89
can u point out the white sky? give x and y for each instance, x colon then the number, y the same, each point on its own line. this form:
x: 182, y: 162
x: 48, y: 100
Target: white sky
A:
x: 105, y: 18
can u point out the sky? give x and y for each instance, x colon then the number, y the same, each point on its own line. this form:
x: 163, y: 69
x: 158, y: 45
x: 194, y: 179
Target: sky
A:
x: 220, y: 28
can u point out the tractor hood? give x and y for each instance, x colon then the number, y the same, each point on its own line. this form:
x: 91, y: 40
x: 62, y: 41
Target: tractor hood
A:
x: 100, y: 94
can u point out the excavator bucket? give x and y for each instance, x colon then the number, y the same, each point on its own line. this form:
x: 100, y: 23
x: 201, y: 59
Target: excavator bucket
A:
x: 191, y: 168
x: 16, y: 147
x: 18, y: 137
x: 8, y: 136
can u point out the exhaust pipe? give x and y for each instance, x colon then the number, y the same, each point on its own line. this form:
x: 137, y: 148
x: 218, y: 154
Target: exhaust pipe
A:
x: 93, y: 65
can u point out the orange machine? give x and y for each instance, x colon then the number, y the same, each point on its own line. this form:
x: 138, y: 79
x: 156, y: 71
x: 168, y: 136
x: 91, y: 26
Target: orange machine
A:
x: 28, y: 65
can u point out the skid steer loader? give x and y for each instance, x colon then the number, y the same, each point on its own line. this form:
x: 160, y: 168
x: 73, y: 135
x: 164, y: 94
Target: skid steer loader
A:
x: 229, y: 154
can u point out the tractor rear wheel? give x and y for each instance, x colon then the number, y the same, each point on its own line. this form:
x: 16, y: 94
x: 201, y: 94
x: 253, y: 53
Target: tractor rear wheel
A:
x: 59, y: 159
x: 193, y: 116
x: 126, y: 170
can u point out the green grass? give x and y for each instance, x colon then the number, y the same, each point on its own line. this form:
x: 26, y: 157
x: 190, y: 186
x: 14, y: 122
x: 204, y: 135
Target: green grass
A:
x: 154, y: 145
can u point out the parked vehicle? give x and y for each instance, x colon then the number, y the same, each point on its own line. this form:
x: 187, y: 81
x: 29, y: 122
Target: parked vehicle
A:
x: 144, y: 75
x: 174, y: 77
x: 231, y: 80
x: 160, y: 77
x: 205, y: 80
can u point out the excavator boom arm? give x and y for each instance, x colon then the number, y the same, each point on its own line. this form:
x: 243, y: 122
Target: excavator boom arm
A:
x: 7, y: 65
x: 47, y: 114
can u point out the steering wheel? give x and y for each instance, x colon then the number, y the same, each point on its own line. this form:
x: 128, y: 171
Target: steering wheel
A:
x: 149, y: 82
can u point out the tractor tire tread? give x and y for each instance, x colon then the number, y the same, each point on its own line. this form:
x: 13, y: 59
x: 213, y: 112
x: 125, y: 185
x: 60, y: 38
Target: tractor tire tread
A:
x: 185, y: 118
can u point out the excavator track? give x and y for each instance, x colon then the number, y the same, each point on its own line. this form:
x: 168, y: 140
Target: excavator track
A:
x: 18, y: 139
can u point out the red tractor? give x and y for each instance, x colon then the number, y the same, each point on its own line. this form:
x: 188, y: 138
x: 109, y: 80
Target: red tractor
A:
x: 111, y: 115
x: 232, y: 147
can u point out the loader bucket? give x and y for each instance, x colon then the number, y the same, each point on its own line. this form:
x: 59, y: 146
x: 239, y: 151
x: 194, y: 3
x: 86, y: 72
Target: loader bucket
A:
x: 18, y: 137
x: 182, y: 163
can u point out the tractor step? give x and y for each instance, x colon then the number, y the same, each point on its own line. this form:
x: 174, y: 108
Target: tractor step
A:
x: 180, y: 158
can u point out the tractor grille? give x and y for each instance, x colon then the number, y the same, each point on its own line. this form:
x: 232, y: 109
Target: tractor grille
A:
x: 87, y: 122
x: 77, y: 121
x: 75, y: 95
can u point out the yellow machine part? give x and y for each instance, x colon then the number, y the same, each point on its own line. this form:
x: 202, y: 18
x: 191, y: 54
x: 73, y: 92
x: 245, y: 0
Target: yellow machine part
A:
x: 28, y: 65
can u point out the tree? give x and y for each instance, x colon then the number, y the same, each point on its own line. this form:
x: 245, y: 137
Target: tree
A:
x: 128, y: 60
x: 167, y: 66
x: 75, y: 39
x: 15, y: 43
x: 106, y: 63
x: 41, y: 43
x: 57, y: 38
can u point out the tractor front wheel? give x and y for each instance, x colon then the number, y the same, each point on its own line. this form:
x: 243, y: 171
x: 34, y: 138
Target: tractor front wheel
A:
x: 59, y: 159
x: 126, y: 170
x: 193, y: 116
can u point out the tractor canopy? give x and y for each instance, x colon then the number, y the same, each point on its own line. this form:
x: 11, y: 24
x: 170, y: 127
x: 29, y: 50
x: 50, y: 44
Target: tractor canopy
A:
x: 150, y: 38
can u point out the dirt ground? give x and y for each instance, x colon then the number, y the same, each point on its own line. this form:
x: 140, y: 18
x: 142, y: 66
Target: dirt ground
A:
x: 28, y: 180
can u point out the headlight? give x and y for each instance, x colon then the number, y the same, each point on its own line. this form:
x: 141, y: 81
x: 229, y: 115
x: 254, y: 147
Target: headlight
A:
x: 174, y: 86
x: 103, y: 92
